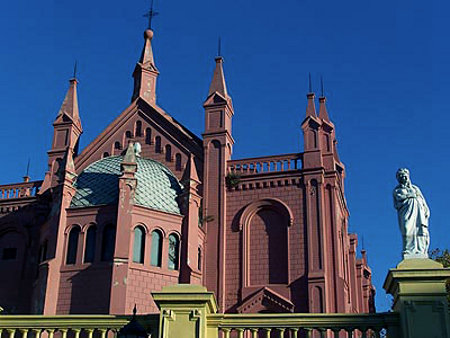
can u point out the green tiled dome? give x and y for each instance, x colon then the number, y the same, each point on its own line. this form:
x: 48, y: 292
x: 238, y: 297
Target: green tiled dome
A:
x: 98, y: 184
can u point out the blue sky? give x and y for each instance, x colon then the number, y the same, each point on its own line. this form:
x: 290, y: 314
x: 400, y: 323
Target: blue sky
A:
x: 385, y: 67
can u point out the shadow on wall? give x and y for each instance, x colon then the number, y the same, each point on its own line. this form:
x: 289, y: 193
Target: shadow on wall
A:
x: 19, y: 258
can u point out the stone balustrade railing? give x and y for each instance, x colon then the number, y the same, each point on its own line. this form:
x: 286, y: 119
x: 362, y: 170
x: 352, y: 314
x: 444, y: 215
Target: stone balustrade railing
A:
x: 19, y: 190
x: 420, y: 309
x: 77, y: 326
x: 266, y: 164
x: 304, y: 325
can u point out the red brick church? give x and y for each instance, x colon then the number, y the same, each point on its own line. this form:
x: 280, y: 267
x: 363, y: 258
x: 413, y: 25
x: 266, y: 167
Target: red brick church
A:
x: 148, y: 203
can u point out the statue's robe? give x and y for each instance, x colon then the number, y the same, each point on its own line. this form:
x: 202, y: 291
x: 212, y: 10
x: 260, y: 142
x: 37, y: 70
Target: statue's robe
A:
x: 413, y: 214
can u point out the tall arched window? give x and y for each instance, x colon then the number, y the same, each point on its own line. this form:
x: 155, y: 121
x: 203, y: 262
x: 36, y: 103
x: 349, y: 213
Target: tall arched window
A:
x: 89, y: 250
x: 139, y: 245
x: 178, y: 162
x: 156, y: 248
x: 72, y: 246
x: 138, y: 130
x: 128, y: 134
x: 157, y: 144
x: 168, y: 153
x: 117, y: 145
x: 174, y: 245
x: 108, y: 242
x: 148, y: 136
x: 105, y: 154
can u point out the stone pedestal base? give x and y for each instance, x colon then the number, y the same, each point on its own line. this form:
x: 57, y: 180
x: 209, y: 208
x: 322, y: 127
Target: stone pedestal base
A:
x: 418, y: 288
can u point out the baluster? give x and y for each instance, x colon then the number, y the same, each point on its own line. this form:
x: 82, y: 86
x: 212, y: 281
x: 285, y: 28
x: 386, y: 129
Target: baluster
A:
x: 77, y: 332
x: 294, y: 332
x: 281, y: 332
x: 309, y: 333
x: 23, y: 331
x: 11, y: 332
x: 90, y: 332
x: 102, y: 333
x: 349, y: 333
x: 50, y: 332
x: 323, y: 333
x: 37, y: 332
x: 226, y: 332
x: 364, y: 332
x: 267, y: 332
x: 63, y: 333
x: 240, y: 332
x: 254, y: 333
x: 336, y: 332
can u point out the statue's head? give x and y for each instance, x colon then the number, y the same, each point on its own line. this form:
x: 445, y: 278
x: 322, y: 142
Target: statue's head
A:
x: 402, y: 175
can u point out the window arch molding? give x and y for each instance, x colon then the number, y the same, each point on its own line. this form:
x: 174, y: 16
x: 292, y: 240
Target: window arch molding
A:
x: 90, y: 238
x: 245, y: 219
x: 266, y: 203
x: 139, y: 237
x: 173, y: 262
x: 73, y: 235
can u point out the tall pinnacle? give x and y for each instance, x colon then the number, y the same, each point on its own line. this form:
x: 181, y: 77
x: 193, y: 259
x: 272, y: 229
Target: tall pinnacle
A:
x: 323, y: 114
x: 145, y: 72
x: 218, y: 84
x: 311, y: 107
x: 69, y: 107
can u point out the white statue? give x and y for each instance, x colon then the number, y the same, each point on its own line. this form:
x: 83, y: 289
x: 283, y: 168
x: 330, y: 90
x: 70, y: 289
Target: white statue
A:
x: 413, y: 215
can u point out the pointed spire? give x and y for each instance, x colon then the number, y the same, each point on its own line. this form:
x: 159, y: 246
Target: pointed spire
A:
x: 69, y: 107
x: 145, y: 72
x: 129, y: 166
x: 218, y: 84
x: 323, y: 114
x: 311, y: 107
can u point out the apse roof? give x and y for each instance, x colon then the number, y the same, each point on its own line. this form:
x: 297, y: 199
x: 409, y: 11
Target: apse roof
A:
x: 98, y: 184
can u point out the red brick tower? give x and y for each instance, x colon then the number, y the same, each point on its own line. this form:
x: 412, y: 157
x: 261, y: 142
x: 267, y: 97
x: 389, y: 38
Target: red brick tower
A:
x: 218, y: 146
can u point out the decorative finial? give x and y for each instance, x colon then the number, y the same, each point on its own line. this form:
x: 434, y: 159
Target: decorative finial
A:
x: 310, y: 83
x: 26, y: 178
x: 28, y: 167
x: 150, y: 14
x: 219, y: 47
x: 134, y: 310
x: 75, y: 69
x: 322, y: 91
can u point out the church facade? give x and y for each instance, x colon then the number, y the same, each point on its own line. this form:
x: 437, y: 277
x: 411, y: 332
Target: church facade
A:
x: 148, y: 204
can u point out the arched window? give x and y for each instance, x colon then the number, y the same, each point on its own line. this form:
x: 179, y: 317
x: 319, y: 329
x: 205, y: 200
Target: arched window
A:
x: 199, y: 259
x: 178, y: 162
x: 139, y: 245
x: 148, y: 136
x: 174, y: 244
x: 157, y: 144
x: 168, y: 153
x: 105, y: 154
x: 89, y: 250
x: 156, y: 248
x: 108, y: 242
x: 72, y: 246
x: 138, y: 129
x: 128, y: 134
x: 117, y: 145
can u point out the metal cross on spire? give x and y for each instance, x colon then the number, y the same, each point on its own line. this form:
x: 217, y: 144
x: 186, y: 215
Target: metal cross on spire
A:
x: 150, y: 14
